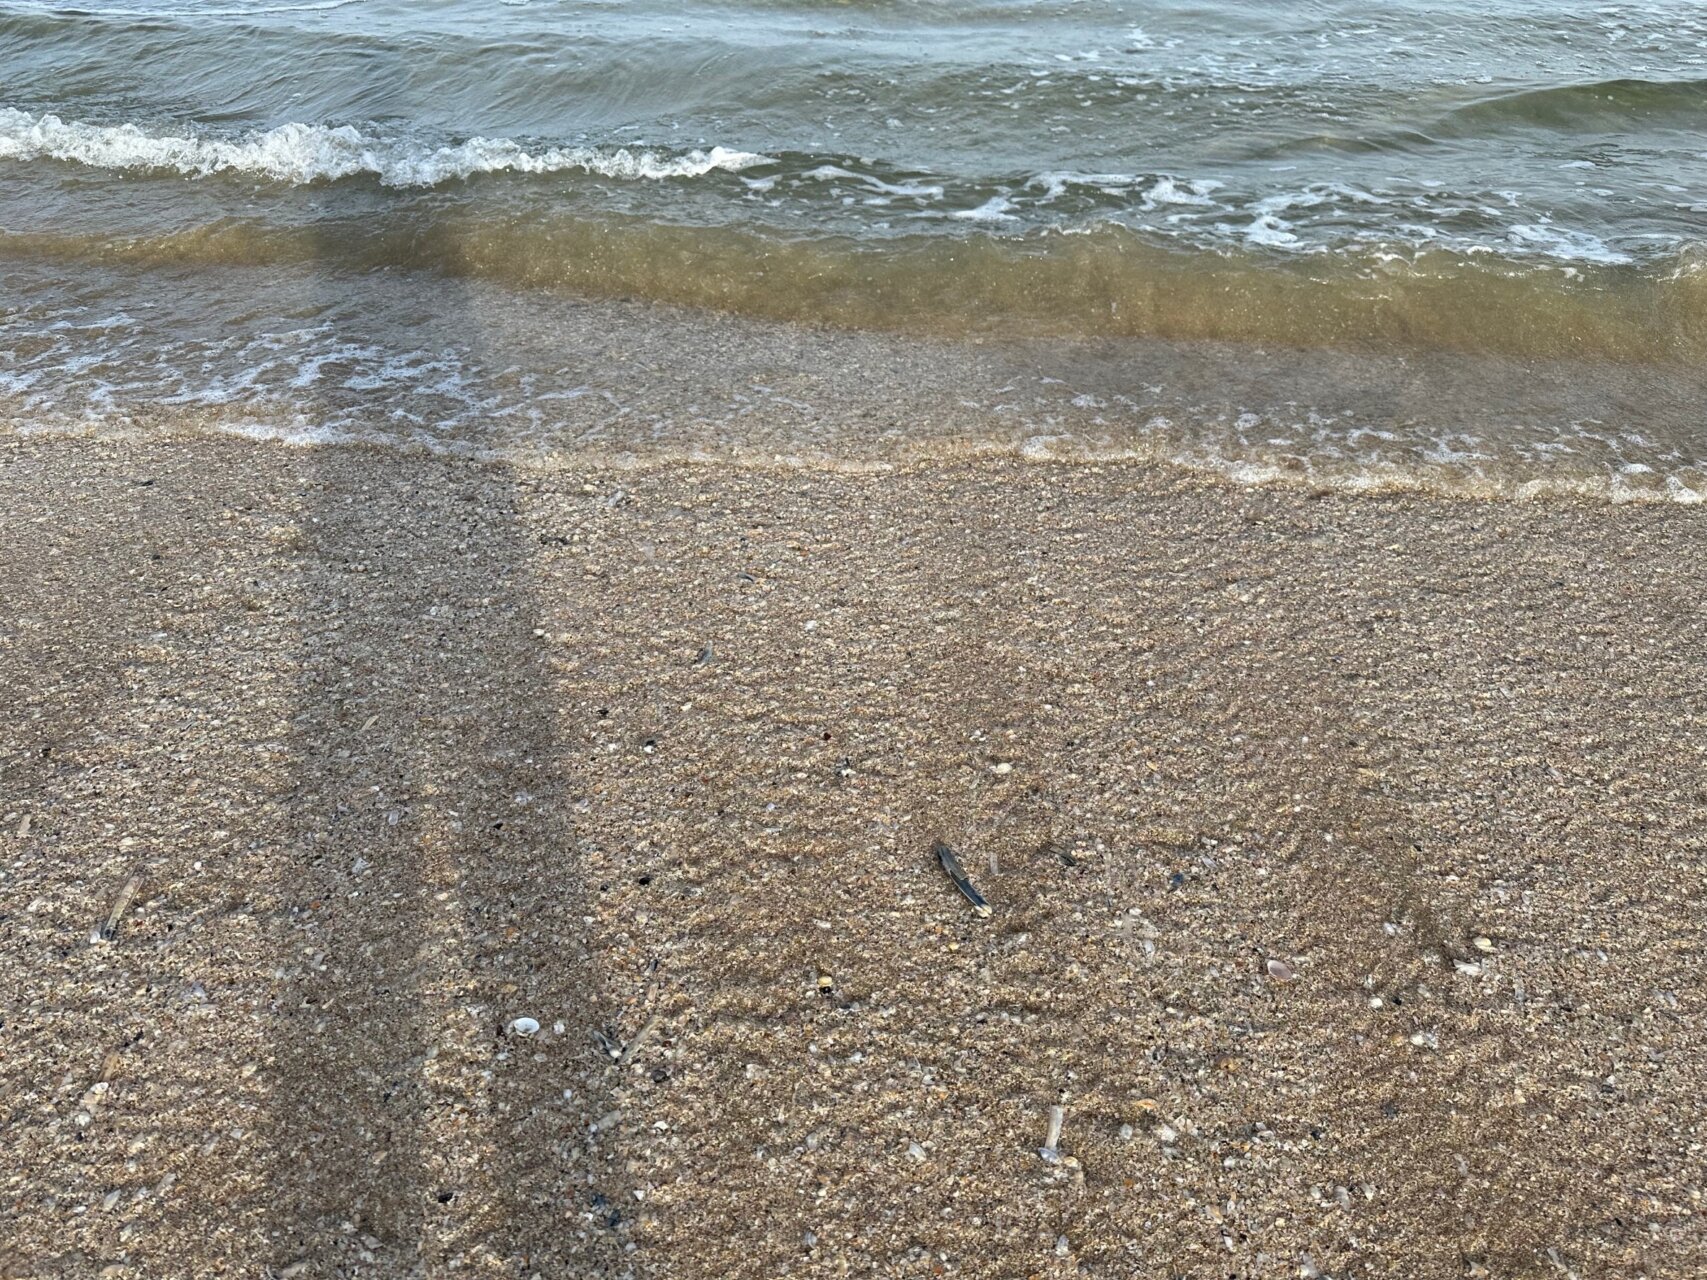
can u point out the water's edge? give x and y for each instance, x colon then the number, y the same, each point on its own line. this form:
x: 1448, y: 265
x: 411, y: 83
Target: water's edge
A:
x: 412, y: 360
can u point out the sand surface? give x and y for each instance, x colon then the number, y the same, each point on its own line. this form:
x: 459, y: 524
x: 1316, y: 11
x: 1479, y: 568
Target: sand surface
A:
x: 395, y: 751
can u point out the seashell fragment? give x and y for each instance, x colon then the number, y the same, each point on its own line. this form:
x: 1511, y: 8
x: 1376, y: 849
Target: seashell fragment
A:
x: 1052, y: 1140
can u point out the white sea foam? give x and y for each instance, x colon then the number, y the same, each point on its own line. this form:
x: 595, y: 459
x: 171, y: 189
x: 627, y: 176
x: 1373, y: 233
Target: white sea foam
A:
x: 1055, y: 183
x: 1562, y: 243
x: 1171, y: 191
x: 305, y: 153
x: 914, y: 190
x: 995, y: 209
x: 1269, y: 230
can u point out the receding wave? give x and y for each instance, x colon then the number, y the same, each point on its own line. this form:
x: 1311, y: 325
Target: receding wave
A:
x: 308, y: 153
x: 409, y: 360
x: 1110, y: 282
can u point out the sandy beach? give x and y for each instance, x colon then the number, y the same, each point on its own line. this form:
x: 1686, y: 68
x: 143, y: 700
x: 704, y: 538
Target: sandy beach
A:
x: 529, y: 873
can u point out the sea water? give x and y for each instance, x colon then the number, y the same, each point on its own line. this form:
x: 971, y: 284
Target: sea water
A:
x: 1449, y: 246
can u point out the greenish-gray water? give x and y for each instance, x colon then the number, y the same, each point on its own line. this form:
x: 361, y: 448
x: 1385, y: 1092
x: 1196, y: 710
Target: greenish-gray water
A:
x: 1438, y: 244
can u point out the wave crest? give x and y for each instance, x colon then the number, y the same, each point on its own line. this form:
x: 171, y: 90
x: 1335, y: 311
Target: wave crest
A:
x: 300, y: 154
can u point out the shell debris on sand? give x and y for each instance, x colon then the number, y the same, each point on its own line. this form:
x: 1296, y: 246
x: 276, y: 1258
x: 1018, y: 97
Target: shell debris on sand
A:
x: 1059, y: 849
x: 1052, y: 1140
x: 108, y: 931
x: 951, y: 864
x: 639, y: 1038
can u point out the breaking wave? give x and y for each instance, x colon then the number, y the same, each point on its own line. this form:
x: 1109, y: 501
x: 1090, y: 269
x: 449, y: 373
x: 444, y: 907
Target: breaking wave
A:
x: 308, y: 153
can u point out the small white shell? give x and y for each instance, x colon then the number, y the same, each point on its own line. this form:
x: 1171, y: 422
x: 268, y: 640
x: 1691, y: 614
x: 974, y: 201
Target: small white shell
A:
x: 525, y: 1027
x: 1280, y: 971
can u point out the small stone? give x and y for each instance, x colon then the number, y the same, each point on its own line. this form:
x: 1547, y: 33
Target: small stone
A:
x: 1482, y: 942
x: 1003, y: 768
x: 110, y: 1201
x: 1126, y: 1132
x: 1062, y: 1248
x: 1167, y: 1135
x: 525, y: 1027
x: 1280, y: 971
x: 916, y: 1152
x: 1425, y: 1040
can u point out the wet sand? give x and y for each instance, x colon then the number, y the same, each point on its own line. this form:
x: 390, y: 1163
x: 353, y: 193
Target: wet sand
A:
x: 1345, y: 857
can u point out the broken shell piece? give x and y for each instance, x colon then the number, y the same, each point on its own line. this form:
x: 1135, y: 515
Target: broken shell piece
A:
x: 1052, y: 1140
x: 525, y: 1027
x: 126, y: 896
x: 951, y: 864
x: 609, y: 1043
x: 640, y: 1037
x: 1482, y: 943
x: 1057, y: 849
x: 1280, y: 971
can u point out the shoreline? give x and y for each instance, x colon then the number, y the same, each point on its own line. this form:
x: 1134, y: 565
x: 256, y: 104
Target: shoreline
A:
x: 469, y: 367
x: 1151, y: 461
x: 405, y: 749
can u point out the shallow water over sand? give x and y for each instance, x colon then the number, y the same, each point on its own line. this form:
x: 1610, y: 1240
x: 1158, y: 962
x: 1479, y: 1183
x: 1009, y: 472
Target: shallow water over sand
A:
x: 410, y: 360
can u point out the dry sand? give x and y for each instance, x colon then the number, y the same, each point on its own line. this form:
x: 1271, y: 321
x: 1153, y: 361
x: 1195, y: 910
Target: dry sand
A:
x: 405, y: 749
